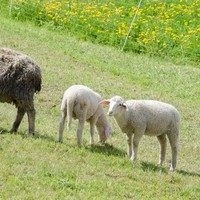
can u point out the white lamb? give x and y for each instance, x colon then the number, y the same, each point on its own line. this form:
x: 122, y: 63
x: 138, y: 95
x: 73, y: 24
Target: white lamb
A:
x: 82, y: 103
x: 146, y: 117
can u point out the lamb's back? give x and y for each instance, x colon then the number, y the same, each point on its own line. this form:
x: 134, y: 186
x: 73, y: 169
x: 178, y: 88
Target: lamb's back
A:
x: 83, y: 97
x: 154, y: 116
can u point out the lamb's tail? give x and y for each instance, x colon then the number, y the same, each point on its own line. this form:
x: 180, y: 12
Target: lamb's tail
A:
x: 70, y: 106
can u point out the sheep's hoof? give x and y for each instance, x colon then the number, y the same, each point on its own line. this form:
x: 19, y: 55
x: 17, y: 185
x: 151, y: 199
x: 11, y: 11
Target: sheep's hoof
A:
x: 60, y: 140
x: 79, y: 144
x: 91, y: 142
x: 13, y: 130
x: 160, y: 163
x: 132, y: 158
x: 31, y: 133
x: 172, y: 169
x: 102, y: 142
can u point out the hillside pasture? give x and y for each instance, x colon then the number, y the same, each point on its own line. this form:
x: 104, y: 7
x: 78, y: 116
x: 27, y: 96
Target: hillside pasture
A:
x: 38, y: 167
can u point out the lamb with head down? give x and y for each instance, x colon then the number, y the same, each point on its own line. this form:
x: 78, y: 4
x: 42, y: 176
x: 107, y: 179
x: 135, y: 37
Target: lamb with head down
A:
x: 82, y: 103
x: 146, y: 117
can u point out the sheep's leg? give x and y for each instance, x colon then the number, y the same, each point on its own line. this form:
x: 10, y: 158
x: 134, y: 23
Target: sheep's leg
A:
x: 19, y: 117
x: 80, y: 127
x: 69, y: 122
x: 79, y: 131
x: 92, y: 130
x: 136, y: 140
x: 163, y: 144
x: 69, y: 107
x: 61, y: 125
x: 129, y: 145
x: 173, y: 139
x: 31, y: 120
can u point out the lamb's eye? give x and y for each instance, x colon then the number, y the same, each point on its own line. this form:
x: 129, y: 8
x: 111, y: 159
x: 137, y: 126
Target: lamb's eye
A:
x: 120, y: 104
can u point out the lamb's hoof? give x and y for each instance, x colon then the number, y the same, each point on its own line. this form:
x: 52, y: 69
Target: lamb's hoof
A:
x: 160, y: 163
x: 91, y: 144
x: 101, y: 142
x: 79, y: 145
x: 172, y: 169
x: 132, y: 158
x: 60, y: 139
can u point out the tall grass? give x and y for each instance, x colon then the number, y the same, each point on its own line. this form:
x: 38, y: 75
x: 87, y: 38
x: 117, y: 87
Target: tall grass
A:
x: 167, y: 28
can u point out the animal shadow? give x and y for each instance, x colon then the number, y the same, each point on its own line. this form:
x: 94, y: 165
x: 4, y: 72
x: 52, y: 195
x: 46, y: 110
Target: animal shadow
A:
x: 3, y: 131
x: 146, y: 166
x: 44, y: 136
x: 24, y: 135
x: 106, y: 149
x: 186, y: 173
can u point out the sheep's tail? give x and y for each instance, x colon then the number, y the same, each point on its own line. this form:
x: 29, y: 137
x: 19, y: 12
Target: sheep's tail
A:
x: 37, y: 79
x: 70, y: 106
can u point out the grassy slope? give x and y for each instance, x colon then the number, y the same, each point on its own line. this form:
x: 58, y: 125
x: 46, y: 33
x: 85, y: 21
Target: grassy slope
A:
x: 40, y: 168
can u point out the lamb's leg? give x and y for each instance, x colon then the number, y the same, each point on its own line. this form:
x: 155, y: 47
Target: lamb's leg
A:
x: 79, y: 131
x: 163, y: 144
x: 31, y: 120
x: 61, y: 125
x: 173, y: 139
x: 92, y: 130
x: 69, y: 122
x: 18, y: 119
x: 136, y: 139
x: 80, y: 127
x: 129, y: 145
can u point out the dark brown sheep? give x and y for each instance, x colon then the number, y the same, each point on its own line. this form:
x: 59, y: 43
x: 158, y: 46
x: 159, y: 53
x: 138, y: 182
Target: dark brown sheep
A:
x: 20, y: 78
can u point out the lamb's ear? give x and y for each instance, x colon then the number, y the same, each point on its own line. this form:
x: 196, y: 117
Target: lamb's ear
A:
x: 124, y: 105
x: 104, y: 102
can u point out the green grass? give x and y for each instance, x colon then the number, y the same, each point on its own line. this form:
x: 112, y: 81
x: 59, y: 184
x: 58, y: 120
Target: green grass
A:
x: 38, y: 167
x: 168, y: 29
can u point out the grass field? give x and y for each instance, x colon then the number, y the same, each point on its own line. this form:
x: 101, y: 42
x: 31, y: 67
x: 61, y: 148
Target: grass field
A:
x: 168, y: 29
x: 38, y: 167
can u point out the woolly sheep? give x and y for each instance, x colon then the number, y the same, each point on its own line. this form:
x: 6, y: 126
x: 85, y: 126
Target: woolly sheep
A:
x: 146, y: 117
x: 82, y: 103
x: 20, y: 78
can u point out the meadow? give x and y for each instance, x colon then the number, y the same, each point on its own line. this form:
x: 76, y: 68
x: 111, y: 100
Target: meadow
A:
x: 38, y: 167
x: 167, y: 29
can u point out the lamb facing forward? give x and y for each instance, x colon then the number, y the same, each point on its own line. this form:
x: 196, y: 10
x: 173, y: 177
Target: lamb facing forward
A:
x: 82, y: 103
x: 146, y: 117
x: 20, y: 78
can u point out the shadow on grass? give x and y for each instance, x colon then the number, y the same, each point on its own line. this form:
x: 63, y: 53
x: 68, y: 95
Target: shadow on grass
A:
x: 43, y: 136
x: 106, y: 149
x: 3, y: 131
x: 37, y: 135
x: 146, y: 166
x: 186, y: 173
